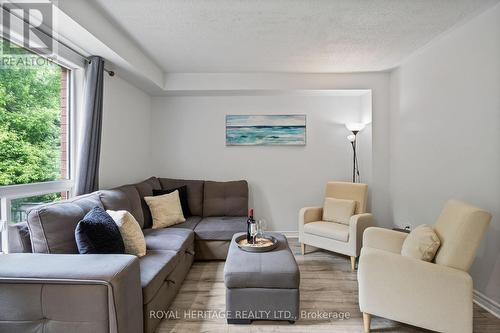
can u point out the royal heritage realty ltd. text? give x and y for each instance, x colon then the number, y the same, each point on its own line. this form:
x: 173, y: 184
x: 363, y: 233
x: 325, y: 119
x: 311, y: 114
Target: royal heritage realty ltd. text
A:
x: 248, y: 315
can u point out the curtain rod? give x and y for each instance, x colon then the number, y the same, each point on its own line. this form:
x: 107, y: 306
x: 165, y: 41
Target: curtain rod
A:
x: 110, y: 72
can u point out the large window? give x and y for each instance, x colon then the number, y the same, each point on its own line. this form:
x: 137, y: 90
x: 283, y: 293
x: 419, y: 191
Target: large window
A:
x: 34, y: 133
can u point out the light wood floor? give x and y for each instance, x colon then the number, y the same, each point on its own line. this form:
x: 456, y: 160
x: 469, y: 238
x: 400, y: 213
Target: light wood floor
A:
x: 327, y: 284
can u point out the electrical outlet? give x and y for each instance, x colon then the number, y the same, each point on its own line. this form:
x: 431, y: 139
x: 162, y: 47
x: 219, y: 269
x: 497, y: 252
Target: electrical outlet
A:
x: 405, y: 226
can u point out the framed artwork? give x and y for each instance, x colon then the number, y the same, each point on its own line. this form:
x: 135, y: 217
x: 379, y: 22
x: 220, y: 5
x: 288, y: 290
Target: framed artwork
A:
x: 266, y: 130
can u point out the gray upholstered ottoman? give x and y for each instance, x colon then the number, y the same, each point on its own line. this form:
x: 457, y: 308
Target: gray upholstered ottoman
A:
x: 261, y: 286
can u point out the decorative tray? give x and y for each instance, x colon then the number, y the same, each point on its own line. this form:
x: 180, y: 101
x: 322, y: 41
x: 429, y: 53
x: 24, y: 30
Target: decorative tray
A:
x: 264, y: 243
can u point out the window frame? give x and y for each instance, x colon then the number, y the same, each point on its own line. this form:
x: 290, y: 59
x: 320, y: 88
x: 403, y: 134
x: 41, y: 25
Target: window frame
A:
x: 12, y: 192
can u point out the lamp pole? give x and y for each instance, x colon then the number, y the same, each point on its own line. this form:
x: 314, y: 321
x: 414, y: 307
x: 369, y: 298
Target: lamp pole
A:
x: 354, y: 128
x: 355, y: 170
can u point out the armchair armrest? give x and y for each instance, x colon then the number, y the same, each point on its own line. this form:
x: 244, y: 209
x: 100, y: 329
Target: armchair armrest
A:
x: 413, y: 291
x: 384, y: 239
x: 309, y: 214
x: 357, y: 225
x: 98, y: 292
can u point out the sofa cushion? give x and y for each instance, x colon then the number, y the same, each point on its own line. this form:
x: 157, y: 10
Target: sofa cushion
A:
x: 190, y: 223
x: 220, y: 228
x: 174, y: 239
x: 97, y: 233
x: 194, y: 192
x: 126, y: 198
x: 52, y: 226
x: 333, y: 230
x: 155, y: 266
x: 19, y: 238
x: 145, y: 189
x: 225, y: 198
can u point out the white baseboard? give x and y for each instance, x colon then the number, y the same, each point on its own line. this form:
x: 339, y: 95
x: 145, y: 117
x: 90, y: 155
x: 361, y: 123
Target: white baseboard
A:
x: 486, y: 303
x: 290, y: 234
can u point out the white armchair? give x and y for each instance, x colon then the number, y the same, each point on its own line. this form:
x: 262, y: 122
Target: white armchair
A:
x: 332, y: 236
x: 435, y: 296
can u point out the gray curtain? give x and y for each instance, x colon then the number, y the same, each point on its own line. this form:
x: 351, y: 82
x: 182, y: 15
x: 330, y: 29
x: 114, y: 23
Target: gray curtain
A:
x: 90, y: 146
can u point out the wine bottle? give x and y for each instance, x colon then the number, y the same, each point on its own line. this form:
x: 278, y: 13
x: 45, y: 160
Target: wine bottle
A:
x: 250, y: 227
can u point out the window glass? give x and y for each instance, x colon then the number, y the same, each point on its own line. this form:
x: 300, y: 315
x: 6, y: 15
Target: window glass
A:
x: 19, y: 207
x: 33, y: 121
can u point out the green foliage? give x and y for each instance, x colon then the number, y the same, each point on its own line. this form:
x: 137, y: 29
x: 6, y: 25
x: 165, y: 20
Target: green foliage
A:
x: 29, y: 123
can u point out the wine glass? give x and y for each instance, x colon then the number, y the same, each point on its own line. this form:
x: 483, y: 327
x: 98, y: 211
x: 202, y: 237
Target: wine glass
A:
x: 261, y: 225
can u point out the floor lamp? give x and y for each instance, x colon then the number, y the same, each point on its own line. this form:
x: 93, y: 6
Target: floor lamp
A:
x: 355, y: 128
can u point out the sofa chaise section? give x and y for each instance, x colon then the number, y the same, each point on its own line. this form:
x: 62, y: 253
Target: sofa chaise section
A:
x: 70, y: 293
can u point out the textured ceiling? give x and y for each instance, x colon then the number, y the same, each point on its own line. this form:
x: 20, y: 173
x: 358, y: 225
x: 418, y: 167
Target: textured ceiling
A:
x: 320, y: 36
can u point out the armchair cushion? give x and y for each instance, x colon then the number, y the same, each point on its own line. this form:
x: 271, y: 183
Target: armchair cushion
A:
x: 422, y: 243
x: 333, y: 230
x: 338, y: 210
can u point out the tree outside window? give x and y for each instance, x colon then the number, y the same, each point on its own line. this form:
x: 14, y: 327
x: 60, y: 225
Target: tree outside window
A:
x: 33, y: 128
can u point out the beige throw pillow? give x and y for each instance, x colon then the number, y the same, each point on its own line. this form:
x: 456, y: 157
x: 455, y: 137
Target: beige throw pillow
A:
x: 338, y: 210
x: 131, y: 232
x: 166, y: 209
x: 422, y: 243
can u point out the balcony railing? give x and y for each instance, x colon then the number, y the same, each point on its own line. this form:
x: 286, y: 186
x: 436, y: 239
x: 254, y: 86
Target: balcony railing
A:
x: 13, y: 192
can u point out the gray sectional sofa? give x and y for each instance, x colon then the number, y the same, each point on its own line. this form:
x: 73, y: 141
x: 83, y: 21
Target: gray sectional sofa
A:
x: 46, y: 286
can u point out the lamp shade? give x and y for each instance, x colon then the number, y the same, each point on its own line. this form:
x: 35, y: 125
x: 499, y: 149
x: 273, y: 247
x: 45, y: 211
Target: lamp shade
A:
x: 355, y: 127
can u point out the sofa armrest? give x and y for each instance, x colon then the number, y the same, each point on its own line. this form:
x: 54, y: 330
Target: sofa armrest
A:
x: 413, y: 291
x: 309, y: 214
x: 43, y: 287
x: 384, y: 239
x: 357, y: 225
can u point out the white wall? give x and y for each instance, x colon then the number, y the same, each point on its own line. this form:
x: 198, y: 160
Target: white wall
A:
x: 445, y: 134
x: 126, y: 138
x: 189, y: 141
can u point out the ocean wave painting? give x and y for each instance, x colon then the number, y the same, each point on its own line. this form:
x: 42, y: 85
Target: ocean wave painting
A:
x: 265, y: 130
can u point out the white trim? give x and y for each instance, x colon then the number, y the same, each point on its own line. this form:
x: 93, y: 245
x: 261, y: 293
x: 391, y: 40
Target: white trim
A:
x: 29, y: 190
x: 486, y: 303
x: 4, y: 224
x: 289, y: 234
x: 267, y: 92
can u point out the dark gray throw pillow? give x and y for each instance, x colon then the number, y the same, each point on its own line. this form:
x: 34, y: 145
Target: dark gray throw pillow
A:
x: 182, y: 196
x: 97, y: 233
